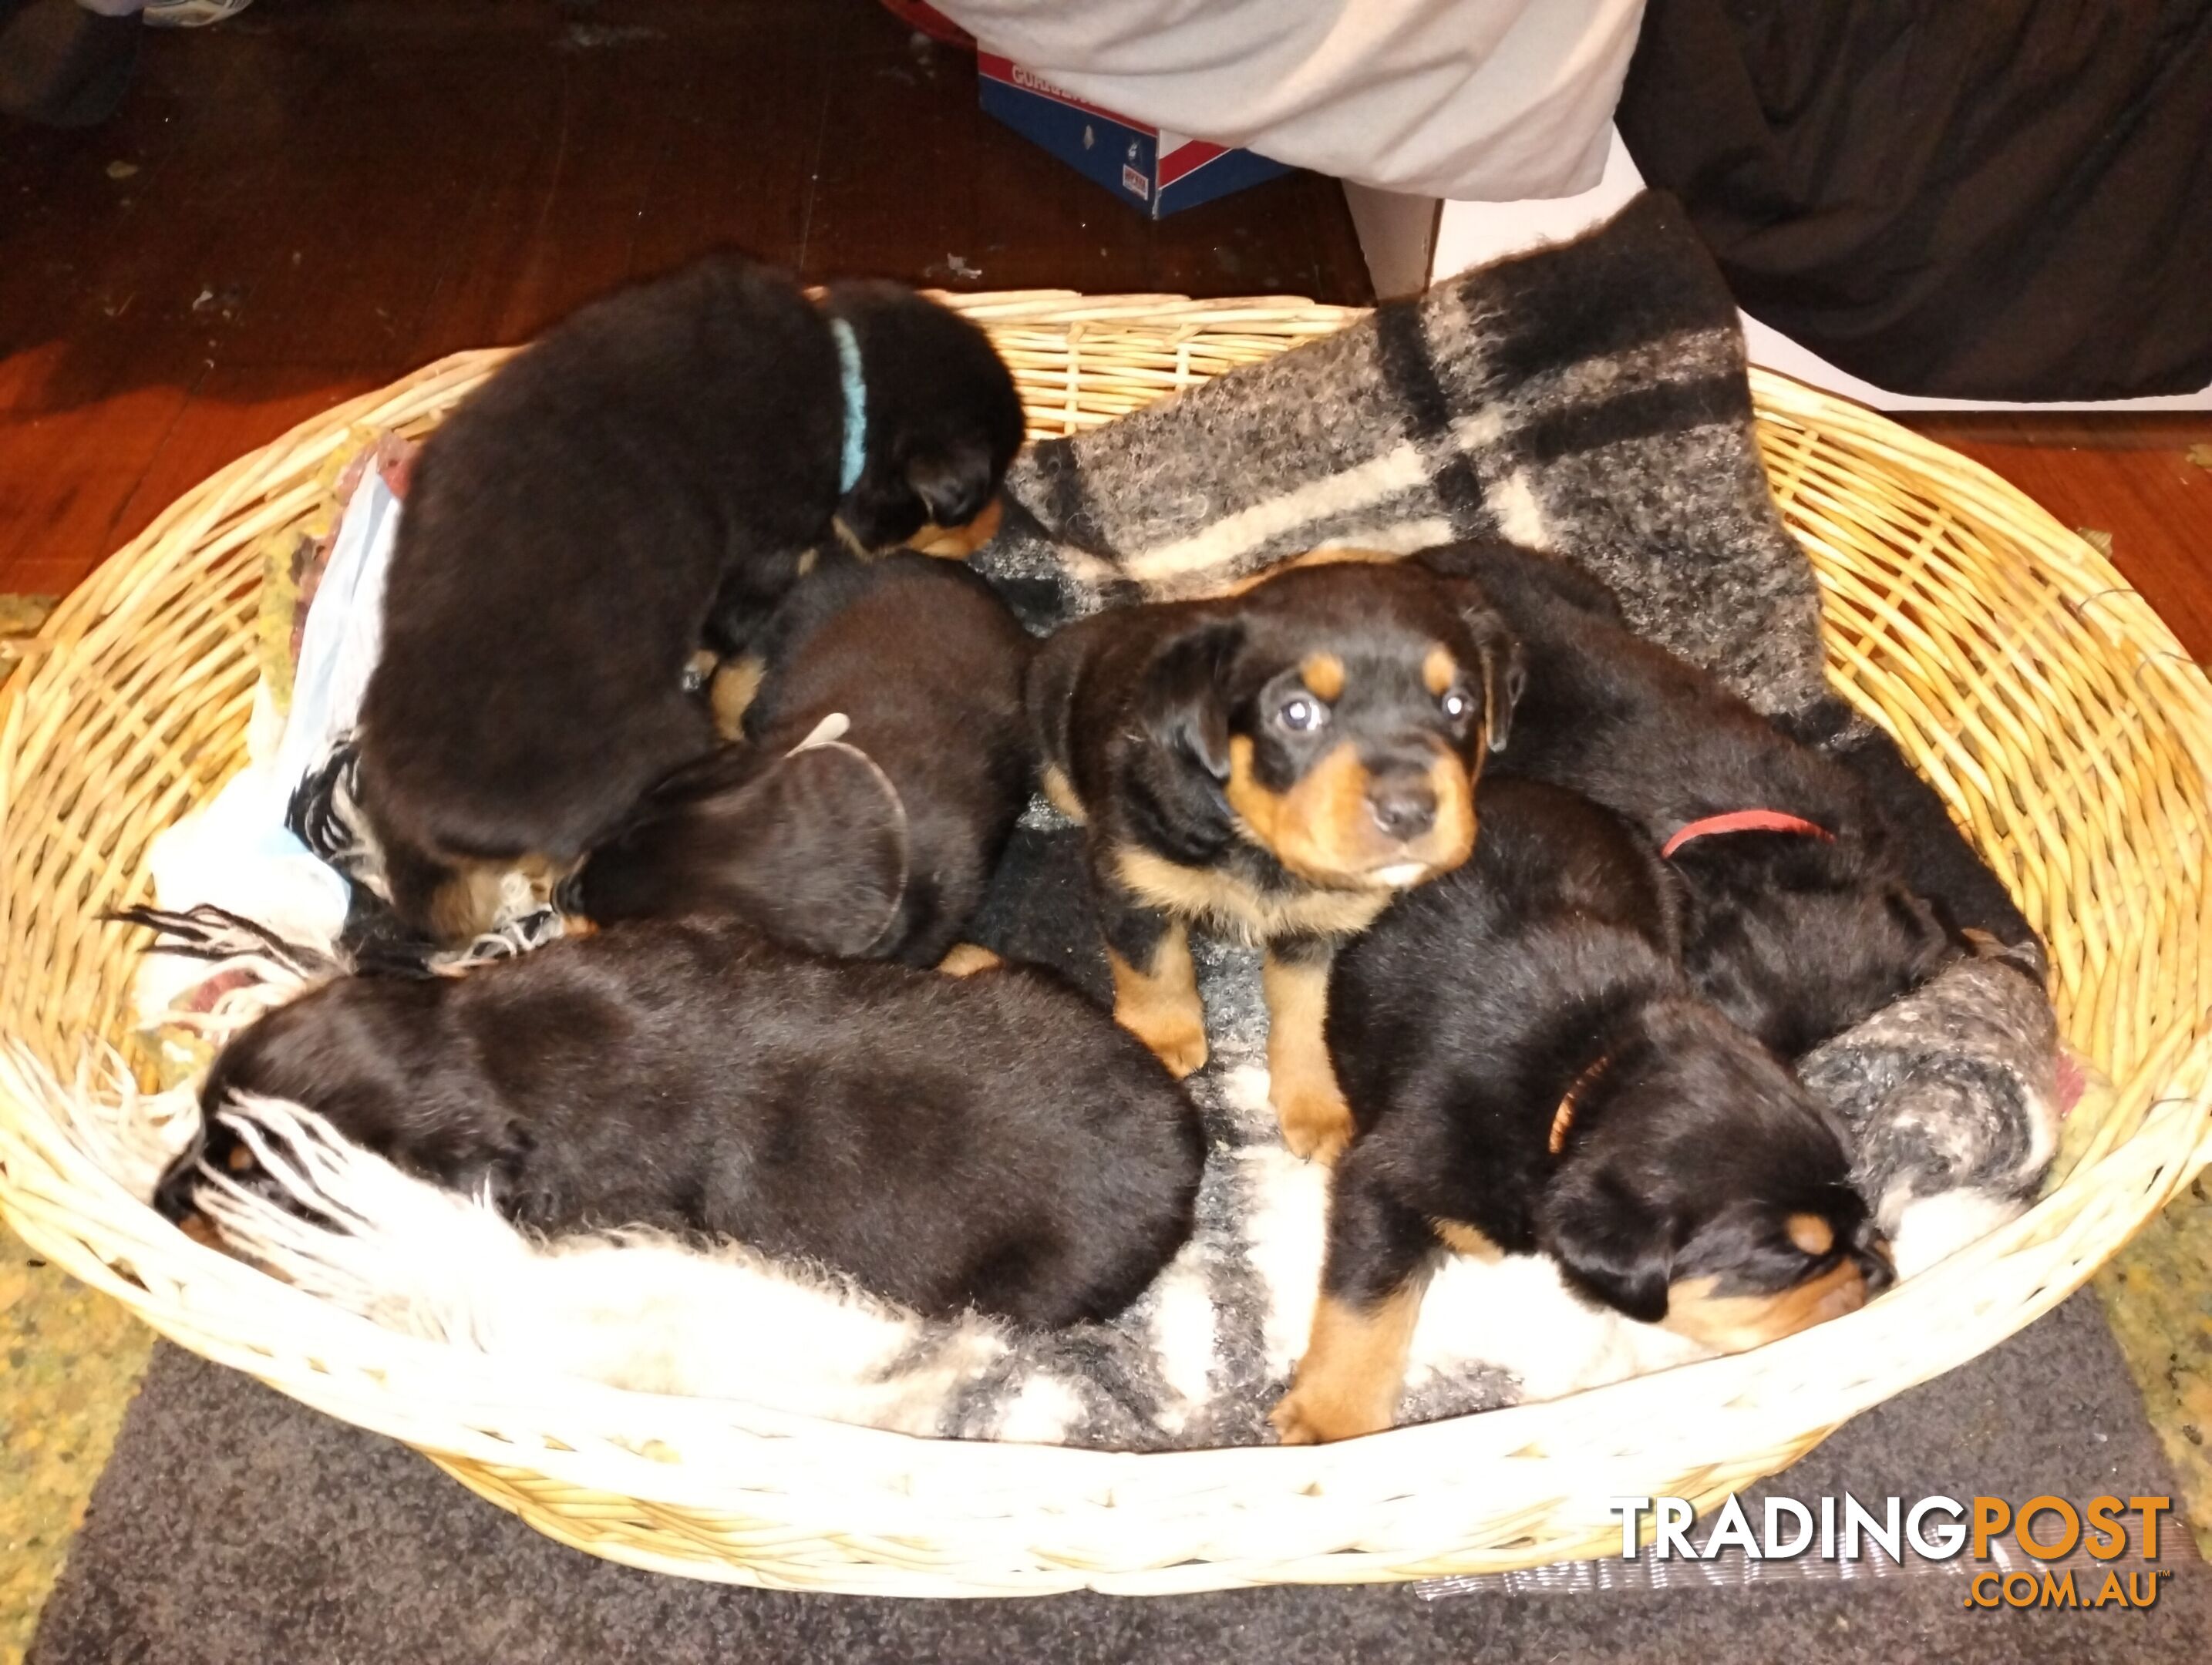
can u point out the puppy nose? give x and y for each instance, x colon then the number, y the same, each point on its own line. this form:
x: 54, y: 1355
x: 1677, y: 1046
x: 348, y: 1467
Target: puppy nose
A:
x: 1403, y: 809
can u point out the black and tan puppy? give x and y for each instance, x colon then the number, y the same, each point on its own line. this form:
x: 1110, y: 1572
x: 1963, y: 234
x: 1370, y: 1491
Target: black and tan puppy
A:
x: 647, y: 477
x: 1278, y: 765
x: 993, y: 1140
x: 881, y: 842
x: 1532, y: 1074
x: 1798, y: 920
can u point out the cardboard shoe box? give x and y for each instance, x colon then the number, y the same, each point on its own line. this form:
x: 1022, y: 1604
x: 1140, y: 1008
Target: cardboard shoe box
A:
x: 1160, y: 172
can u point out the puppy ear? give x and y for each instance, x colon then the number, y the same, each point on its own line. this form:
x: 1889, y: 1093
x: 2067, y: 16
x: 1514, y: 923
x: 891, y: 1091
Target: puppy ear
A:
x: 814, y: 851
x: 1505, y: 678
x: 811, y: 848
x: 1505, y: 668
x: 954, y: 483
x: 1180, y: 701
x: 1610, y: 1244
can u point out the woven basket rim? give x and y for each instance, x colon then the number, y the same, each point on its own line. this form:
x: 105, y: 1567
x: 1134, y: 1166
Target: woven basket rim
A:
x: 2125, y: 1181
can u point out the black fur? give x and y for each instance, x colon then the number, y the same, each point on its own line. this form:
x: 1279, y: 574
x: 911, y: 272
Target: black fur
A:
x: 1795, y: 938
x: 993, y: 1140
x: 1464, y: 1016
x: 818, y: 848
x: 645, y: 476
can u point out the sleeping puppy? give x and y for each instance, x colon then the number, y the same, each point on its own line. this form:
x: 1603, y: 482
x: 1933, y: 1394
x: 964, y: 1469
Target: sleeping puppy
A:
x: 649, y: 476
x: 1277, y: 765
x: 1532, y: 1074
x: 880, y: 841
x: 1798, y: 920
x: 991, y: 1141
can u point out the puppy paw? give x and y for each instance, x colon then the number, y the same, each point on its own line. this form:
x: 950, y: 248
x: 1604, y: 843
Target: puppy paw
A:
x: 735, y: 684
x: 1176, y: 1040
x: 1306, y: 1416
x: 965, y: 959
x: 1317, y: 1121
x: 1158, y: 1003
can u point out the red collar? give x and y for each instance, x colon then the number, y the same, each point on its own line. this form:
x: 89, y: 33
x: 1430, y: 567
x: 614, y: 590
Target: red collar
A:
x: 1571, y: 1100
x: 1744, y: 821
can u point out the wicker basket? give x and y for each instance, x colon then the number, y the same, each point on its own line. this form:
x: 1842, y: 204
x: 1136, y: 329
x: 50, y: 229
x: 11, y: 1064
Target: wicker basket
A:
x: 2067, y: 730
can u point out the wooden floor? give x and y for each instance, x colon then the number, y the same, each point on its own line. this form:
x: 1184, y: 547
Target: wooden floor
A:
x: 322, y: 195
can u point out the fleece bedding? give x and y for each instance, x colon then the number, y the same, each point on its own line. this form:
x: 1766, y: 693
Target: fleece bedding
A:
x: 1590, y: 399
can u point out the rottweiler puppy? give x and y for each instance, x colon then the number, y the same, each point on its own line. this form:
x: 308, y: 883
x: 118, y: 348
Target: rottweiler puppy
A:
x: 648, y: 477
x: 1799, y: 921
x: 880, y: 841
x: 992, y: 1141
x: 1531, y: 1073
x: 1279, y: 765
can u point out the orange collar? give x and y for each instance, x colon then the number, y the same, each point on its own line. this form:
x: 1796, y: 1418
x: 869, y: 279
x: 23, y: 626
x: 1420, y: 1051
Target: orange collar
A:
x: 1563, y: 1117
x: 1744, y: 821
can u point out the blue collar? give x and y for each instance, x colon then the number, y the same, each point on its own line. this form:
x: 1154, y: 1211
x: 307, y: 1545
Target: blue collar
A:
x: 856, y: 403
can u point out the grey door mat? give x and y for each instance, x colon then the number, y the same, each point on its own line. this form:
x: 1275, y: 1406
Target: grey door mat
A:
x: 233, y: 1527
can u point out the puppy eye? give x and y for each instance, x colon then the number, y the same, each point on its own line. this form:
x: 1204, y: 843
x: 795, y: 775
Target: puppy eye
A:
x: 1457, y: 705
x: 1301, y: 712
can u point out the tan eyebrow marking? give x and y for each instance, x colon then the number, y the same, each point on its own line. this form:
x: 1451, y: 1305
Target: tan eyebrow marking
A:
x: 1439, y: 670
x: 1324, y: 674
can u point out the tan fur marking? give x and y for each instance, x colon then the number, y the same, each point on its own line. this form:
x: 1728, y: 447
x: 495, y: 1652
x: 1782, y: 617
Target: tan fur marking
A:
x: 1463, y: 1239
x: 958, y: 543
x: 965, y: 959
x: 1810, y: 1233
x: 1232, y: 905
x: 808, y: 560
x: 1354, y: 1366
x: 543, y: 875
x: 1439, y: 670
x: 1736, y: 1323
x: 1324, y: 674
x: 1316, y: 829
x: 1159, y: 1005
x: 1060, y: 793
x: 736, y: 685
x: 850, y: 539
x: 1452, y: 840
x: 575, y: 925
x: 1317, y: 1121
x: 1323, y: 830
x: 466, y: 905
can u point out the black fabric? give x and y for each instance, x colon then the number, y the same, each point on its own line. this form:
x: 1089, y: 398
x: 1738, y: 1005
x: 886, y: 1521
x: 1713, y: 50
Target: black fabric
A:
x: 2009, y: 199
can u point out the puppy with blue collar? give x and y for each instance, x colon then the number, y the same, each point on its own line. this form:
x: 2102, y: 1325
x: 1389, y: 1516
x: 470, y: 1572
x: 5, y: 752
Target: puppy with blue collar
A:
x: 645, y: 480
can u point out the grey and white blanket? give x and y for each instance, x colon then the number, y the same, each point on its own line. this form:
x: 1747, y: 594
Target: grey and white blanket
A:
x: 1589, y: 399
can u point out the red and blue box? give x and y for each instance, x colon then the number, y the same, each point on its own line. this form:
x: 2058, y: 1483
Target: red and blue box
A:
x: 1161, y: 173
